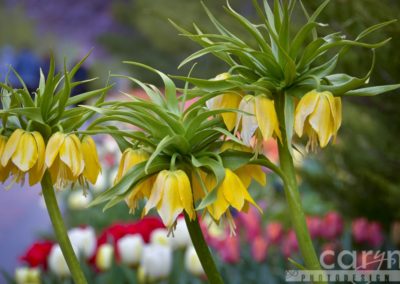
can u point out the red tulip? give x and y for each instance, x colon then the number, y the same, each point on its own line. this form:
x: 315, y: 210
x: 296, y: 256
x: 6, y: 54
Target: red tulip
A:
x: 37, y: 254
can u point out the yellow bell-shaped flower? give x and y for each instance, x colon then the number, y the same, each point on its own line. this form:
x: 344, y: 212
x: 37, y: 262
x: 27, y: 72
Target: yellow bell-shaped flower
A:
x: 228, y: 100
x: 129, y: 159
x: 64, y: 158
x: 319, y: 115
x: 92, y: 167
x: 170, y: 195
x: 261, y: 116
x: 4, y: 171
x: 24, y: 153
x: 231, y: 192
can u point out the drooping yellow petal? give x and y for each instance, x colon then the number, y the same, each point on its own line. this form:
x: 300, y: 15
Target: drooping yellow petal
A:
x: 185, y: 193
x: 36, y: 173
x: 197, y: 181
x: 219, y: 206
x: 156, y: 191
x: 321, y: 121
x: 71, y: 154
x: 91, y: 159
x: 232, y: 145
x: 233, y: 188
x: 248, y: 172
x: 4, y: 171
x: 11, y: 146
x: 26, y: 154
x: 267, y: 118
x: 53, y: 147
x: 130, y: 157
x: 230, y: 101
x: 170, y: 205
x: 338, y: 113
x: 304, y: 108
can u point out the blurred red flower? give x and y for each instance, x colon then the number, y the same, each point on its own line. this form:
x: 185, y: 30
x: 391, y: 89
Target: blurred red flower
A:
x: 37, y: 253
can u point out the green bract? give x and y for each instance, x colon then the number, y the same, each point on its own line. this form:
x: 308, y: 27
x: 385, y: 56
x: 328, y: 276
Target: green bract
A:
x: 175, y: 136
x: 281, y: 61
x: 49, y: 109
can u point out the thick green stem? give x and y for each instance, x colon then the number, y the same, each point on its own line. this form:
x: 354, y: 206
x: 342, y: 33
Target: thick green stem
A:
x: 292, y: 194
x: 203, y: 251
x: 60, y: 230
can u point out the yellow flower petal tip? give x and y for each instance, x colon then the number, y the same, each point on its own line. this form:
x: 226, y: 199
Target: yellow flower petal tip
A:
x: 319, y: 115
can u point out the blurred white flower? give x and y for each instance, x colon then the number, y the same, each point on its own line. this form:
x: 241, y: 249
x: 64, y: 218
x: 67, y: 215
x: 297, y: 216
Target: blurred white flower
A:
x: 84, y: 239
x: 156, y: 262
x: 26, y: 275
x: 78, y: 201
x: 57, y: 263
x: 101, y: 183
x: 160, y: 237
x: 192, y: 262
x: 130, y: 249
x: 105, y: 256
x: 180, y: 237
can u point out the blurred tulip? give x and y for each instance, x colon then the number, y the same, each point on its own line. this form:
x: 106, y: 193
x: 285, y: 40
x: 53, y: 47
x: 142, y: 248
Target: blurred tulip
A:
x: 375, y: 235
x: 37, y: 254
x: 156, y: 262
x: 105, y: 257
x: 259, y: 248
x: 78, y: 201
x: 314, y: 224
x: 396, y: 233
x: 130, y: 249
x: 360, y: 230
x: 180, y: 238
x: 332, y: 226
x: 160, y: 237
x: 274, y: 232
x: 329, y: 250
x: 192, y: 262
x: 57, y: 263
x: 289, y: 244
x: 84, y: 239
x: 25, y: 275
x: 230, y: 251
x: 251, y: 221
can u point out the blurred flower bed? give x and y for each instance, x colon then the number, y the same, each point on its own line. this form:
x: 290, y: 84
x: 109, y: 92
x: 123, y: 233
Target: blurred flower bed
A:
x: 114, y: 247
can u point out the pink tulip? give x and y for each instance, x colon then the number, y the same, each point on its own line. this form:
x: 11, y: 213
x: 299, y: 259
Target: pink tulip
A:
x: 289, y: 244
x: 259, y: 248
x: 360, y: 230
x: 314, y: 224
x: 230, y: 251
x: 375, y: 235
x: 274, y: 232
x: 251, y: 223
x: 332, y: 226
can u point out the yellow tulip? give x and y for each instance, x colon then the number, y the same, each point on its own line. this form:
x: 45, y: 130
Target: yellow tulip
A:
x: 23, y: 153
x: 64, y: 158
x: 261, y: 116
x: 130, y: 158
x: 91, y: 159
x: 231, y: 192
x: 171, y: 194
x: 319, y: 115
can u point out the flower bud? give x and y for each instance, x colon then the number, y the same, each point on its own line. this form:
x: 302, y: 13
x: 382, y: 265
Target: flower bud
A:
x: 192, y: 262
x: 84, y: 239
x: 130, y: 249
x: 156, y: 262
x: 105, y: 256
x: 78, y: 201
x: 26, y: 275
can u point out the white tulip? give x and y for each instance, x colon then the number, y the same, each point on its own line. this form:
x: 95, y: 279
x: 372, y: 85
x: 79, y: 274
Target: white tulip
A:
x: 26, y: 275
x: 57, y: 263
x: 156, y: 262
x: 130, y: 249
x: 192, y: 262
x: 160, y: 237
x: 84, y: 239
x: 105, y: 256
x: 101, y: 183
x: 78, y: 201
x: 180, y: 238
